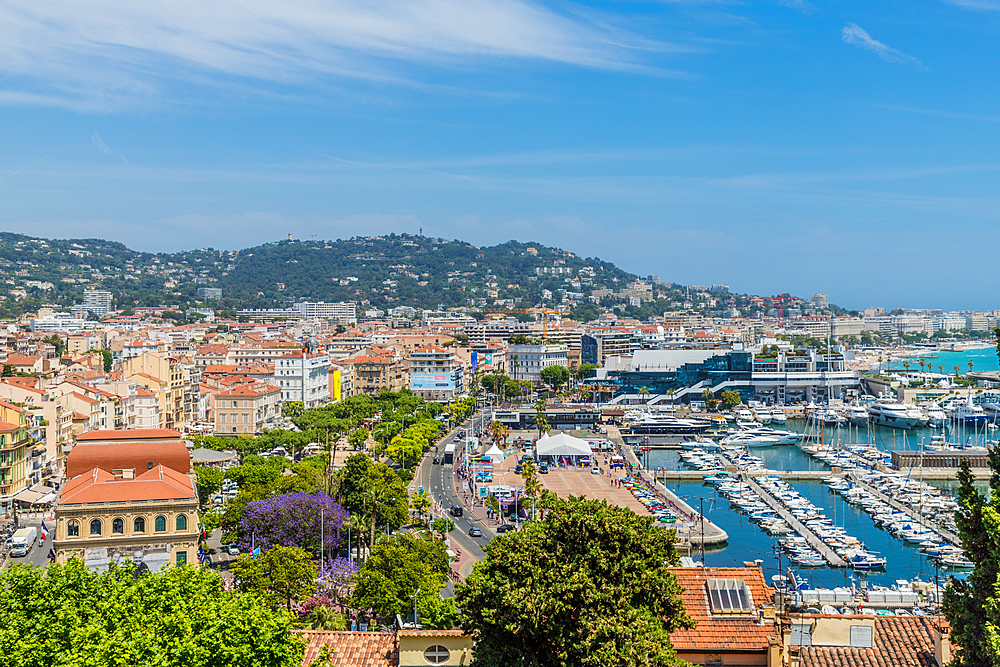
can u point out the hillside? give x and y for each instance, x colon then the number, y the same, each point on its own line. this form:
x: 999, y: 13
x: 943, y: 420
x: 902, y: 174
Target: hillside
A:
x: 383, y: 271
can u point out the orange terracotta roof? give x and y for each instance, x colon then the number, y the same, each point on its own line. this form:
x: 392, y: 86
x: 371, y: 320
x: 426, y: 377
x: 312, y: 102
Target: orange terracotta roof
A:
x: 18, y: 360
x: 716, y: 633
x: 250, y: 390
x: 351, y: 649
x: 899, y: 641
x: 100, y: 486
x: 131, y: 434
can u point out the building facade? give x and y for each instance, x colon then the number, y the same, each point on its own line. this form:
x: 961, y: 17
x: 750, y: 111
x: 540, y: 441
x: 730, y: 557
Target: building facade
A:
x: 527, y: 361
x: 435, y: 374
x: 303, y: 376
x: 247, y: 409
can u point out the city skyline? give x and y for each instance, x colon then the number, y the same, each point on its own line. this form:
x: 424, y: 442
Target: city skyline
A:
x: 780, y: 147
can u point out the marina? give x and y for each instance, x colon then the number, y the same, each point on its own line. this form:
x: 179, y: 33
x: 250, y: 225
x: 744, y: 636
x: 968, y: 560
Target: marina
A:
x: 839, y: 468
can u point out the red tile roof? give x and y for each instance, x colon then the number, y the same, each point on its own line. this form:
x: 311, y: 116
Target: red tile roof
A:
x: 351, y: 649
x: 131, y: 434
x: 100, y: 486
x: 899, y: 641
x: 715, y: 633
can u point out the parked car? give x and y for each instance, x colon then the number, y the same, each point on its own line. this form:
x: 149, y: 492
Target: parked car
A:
x: 518, y: 469
x: 231, y: 549
x: 595, y: 471
x: 475, y: 532
x: 544, y: 469
x: 506, y: 528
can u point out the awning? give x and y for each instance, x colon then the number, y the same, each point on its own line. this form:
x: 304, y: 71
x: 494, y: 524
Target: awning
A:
x: 27, y: 496
x: 46, y: 499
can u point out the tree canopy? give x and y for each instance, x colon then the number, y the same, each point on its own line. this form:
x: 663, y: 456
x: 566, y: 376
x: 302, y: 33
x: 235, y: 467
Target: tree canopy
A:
x: 588, y: 585
x: 67, y: 615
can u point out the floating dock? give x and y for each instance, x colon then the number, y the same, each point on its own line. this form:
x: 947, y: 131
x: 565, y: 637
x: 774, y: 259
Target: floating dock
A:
x: 910, y: 512
x: 829, y: 555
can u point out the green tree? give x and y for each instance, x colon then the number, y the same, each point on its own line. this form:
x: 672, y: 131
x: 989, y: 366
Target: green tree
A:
x: 368, y: 488
x: 281, y: 575
x: 442, y: 525
x: 209, y: 481
x: 972, y: 605
x: 292, y: 409
x: 395, y: 569
x: 575, y: 608
x: 585, y: 371
x: 730, y: 399
x: 555, y: 376
x: 420, y: 502
x: 65, y: 615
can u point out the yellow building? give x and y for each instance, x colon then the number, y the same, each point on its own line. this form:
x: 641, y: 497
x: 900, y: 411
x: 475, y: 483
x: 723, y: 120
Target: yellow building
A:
x: 15, y: 456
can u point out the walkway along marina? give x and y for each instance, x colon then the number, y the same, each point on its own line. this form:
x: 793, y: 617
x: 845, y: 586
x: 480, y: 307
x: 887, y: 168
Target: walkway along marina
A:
x: 909, y: 511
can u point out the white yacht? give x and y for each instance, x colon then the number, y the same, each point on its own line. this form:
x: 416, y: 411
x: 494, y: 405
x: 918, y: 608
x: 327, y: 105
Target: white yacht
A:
x: 890, y: 412
x: 761, y: 414
x: 857, y: 415
x: 784, y: 437
x: 778, y: 416
x: 935, y: 415
x: 750, y: 439
x: 743, y: 414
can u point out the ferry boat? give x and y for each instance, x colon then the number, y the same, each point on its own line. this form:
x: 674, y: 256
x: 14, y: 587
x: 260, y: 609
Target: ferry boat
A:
x: 889, y: 412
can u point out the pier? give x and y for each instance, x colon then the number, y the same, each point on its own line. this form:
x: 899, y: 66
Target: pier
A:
x: 910, y: 512
x: 829, y: 555
x: 697, y: 531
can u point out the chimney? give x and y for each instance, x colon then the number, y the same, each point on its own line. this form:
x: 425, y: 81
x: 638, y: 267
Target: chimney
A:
x: 124, y: 473
x: 942, y: 643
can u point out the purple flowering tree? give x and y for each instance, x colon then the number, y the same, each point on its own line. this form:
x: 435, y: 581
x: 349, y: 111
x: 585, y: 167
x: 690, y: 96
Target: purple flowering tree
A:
x: 294, y: 520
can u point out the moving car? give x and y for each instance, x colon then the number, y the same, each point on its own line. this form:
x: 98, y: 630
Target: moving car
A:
x: 475, y: 532
x: 595, y: 471
x: 506, y: 528
x: 456, y: 511
x: 437, y: 460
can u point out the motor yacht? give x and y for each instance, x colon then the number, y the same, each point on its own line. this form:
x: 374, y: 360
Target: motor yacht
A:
x: 936, y: 416
x: 890, y: 412
x: 778, y: 416
x: 857, y: 415
x: 969, y: 414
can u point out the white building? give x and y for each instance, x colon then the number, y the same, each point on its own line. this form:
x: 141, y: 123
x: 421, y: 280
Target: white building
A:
x: 327, y: 311
x: 97, y: 301
x: 303, y: 376
x: 141, y: 409
x: 527, y: 361
x: 435, y: 374
x: 58, y: 322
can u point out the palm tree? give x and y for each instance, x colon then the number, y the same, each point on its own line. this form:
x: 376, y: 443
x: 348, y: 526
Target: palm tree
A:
x: 880, y: 364
x: 670, y: 394
x: 922, y: 364
x: 324, y: 618
x: 643, y: 391
x: 906, y: 365
x: 971, y: 364
x: 940, y: 368
x: 956, y: 370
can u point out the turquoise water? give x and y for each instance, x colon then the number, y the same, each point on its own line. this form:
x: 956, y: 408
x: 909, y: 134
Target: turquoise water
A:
x: 747, y: 542
x: 983, y: 360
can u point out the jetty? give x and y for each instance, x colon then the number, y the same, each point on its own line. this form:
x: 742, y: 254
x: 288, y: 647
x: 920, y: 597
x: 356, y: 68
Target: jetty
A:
x: 829, y: 555
x: 696, y: 530
x: 913, y: 514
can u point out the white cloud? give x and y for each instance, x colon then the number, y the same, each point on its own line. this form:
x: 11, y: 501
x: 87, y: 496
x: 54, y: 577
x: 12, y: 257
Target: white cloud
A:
x: 976, y: 4
x: 106, y: 52
x: 856, y: 35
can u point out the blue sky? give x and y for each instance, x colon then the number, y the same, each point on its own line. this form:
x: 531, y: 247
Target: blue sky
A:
x: 779, y: 145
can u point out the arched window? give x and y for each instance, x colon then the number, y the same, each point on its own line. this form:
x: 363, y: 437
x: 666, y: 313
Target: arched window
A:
x: 182, y: 522
x: 118, y: 527
x: 161, y: 524
x: 95, y: 527
x: 437, y: 654
x: 73, y: 529
x: 139, y: 525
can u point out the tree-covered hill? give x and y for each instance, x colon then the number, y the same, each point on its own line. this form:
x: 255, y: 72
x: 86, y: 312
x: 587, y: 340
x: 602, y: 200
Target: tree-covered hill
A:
x: 383, y: 272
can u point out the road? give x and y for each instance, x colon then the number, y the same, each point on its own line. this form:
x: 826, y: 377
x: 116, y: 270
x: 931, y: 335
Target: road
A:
x: 436, y: 480
x: 38, y: 556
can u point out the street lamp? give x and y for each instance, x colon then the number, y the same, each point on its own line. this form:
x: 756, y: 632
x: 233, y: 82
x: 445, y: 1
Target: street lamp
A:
x: 415, y: 607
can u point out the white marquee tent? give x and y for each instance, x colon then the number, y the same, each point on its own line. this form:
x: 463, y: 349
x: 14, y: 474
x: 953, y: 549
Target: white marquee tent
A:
x: 562, y: 444
x: 495, y: 454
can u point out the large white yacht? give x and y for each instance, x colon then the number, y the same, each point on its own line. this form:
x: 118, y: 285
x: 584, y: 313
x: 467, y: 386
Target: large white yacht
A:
x: 890, y: 412
x: 857, y: 415
x: 778, y: 416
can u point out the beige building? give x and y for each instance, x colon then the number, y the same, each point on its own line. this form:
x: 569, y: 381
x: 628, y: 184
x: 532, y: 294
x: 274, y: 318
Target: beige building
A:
x: 128, y: 496
x: 247, y: 408
x: 164, y: 376
x: 106, y: 517
x: 375, y: 370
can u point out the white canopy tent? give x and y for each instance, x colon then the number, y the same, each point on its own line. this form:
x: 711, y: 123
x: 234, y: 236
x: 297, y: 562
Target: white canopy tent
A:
x: 495, y: 454
x: 562, y: 444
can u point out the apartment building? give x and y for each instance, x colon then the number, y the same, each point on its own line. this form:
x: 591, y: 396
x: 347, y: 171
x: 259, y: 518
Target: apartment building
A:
x: 164, y: 376
x: 527, y: 361
x: 303, y: 376
x: 18, y: 459
x: 436, y: 374
x: 247, y: 409
x: 97, y: 302
x: 375, y: 370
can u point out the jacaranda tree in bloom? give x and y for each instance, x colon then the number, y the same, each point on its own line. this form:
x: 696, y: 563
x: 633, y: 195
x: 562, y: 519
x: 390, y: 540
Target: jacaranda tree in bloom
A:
x: 294, y: 520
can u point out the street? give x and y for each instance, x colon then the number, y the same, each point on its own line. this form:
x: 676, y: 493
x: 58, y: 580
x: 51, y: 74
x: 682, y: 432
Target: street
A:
x: 436, y: 480
x: 39, y: 553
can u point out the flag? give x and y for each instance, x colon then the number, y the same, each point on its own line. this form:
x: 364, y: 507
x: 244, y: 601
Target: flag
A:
x: 52, y: 555
x: 45, y: 532
x: 255, y: 552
